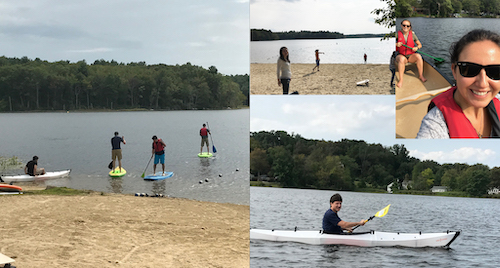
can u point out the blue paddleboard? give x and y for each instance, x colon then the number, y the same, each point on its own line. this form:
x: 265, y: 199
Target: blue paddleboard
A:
x: 158, y: 176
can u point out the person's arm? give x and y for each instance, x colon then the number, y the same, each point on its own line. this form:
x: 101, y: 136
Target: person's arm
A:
x: 26, y: 169
x: 34, y: 170
x: 278, y: 72
x: 123, y: 139
x: 348, y: 225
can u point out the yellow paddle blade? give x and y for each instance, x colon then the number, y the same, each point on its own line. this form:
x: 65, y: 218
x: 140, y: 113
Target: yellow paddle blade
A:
x: 382, y: 212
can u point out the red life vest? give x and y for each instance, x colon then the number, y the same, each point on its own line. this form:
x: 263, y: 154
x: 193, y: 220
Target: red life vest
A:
x: 458, y: 124
x: 204, y: 132
x: 158, y: 146
x: 402, y: 49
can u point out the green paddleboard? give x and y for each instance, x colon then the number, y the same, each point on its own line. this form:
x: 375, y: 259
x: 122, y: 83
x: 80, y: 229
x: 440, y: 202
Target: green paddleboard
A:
x: 116, y: 172
x: 205, y: 155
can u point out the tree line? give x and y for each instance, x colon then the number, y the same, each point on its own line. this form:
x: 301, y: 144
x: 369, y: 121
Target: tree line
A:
x: 268, y: 35
x: 293, y: 161
x: 27, y: 85
x: 447, y: 8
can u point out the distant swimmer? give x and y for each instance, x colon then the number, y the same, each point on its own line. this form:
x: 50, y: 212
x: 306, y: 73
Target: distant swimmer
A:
x: 32, y: 168
x: 116, y: 151
x: 316, y: 53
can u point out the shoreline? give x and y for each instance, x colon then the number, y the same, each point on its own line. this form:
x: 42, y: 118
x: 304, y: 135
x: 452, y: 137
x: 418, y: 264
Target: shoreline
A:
x: 335, y: 79
x: 108, y: 230
x: 119, y: 110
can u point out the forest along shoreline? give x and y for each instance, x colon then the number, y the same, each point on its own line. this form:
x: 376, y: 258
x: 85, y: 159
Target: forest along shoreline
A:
x: 278, y: 159
x: 29, y: 85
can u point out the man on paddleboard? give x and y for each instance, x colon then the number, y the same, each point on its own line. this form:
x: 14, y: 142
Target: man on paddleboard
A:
x: 332, y: 224
x: 204, y: 131
x: 116, y: 151
x: 159, y: 153
x: 32, y: 169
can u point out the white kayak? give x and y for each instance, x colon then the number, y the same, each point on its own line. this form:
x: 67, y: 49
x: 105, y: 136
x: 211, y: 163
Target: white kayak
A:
x: 25, y: 177
x: 366, y: 239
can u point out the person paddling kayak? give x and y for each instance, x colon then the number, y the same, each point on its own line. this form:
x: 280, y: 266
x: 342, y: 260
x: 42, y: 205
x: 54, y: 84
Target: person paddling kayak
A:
x: 159, y: 153
x: 32, y: 168
x: 204, y: 131
x: 332, y: 224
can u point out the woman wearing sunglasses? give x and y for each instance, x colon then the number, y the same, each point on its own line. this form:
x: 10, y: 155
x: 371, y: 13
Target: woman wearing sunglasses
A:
x: 470, y: 109
x: 407, y: 37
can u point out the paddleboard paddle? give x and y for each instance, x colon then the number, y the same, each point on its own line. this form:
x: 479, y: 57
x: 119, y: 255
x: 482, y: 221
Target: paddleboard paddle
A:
x: 143, y: 173
x: 213, y: 146
x: 435, y: 58
x: 381, y: 213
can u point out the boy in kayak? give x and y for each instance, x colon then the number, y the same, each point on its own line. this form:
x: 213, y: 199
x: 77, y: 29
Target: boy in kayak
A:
x: 332, y: 224
x: 159, y: 153
x: 116, y: 151
x: 32, y: 169
x: 204, y: 137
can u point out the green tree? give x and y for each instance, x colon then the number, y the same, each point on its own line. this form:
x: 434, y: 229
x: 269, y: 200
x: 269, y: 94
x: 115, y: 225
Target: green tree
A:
x: 258, y: 162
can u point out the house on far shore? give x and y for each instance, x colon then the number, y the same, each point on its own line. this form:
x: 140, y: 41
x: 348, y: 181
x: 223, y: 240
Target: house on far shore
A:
x: 439, y: 189
x: 494, y: 190
x: 389, y: 188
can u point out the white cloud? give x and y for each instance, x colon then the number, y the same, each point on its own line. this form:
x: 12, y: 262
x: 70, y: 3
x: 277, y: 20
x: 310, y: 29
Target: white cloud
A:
x: 469, y: 155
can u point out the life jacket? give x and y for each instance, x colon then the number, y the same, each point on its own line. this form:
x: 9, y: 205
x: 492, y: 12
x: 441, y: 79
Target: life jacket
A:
x: 458, y: 124
x: 402, y: 49
x: 158, y: 146
x: 204, y: 132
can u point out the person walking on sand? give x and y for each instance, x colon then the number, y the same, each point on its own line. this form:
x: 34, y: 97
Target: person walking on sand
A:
x: 283, y: 71
x: 116, y: 151
x: 32, y: 168
x: 159, y: 153
x: 365, y: 57
x: 204, y: 131
x: 406, y: 36
x: 316, y: 53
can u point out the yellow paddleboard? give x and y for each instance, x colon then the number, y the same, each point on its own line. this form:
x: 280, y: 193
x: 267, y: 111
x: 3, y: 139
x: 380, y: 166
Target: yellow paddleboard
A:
x: 117, y: 173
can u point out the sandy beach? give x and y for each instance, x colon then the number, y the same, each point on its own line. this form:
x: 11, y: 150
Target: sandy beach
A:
x: 331, y: 79
x: 113, y: 230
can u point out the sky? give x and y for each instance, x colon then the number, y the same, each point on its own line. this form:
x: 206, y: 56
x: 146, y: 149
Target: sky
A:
x: 204, y: 33
x: 348, y: 17
x: 368, y: 118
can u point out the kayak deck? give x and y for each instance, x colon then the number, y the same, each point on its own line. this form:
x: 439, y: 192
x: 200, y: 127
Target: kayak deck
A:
x: 413, y: 98
x: 366, y: 239
x: 28, y: 178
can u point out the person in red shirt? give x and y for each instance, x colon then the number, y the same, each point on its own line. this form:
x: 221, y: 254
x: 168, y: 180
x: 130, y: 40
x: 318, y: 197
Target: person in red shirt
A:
x: 204, y: 137
x: 159, y: 153
x: 406, y: 36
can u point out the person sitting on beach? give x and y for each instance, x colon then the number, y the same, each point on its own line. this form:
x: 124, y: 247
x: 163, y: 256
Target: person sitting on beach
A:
x: 32, y: 168
x: 283, y: 71
x: 332, y: 224
x: 470, y: 109
x: 316, y: 53
x: 406, y: 36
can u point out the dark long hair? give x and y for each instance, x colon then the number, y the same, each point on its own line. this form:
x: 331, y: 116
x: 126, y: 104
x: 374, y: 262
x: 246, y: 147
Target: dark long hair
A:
x: 471, y: 37
x: 281, y: 55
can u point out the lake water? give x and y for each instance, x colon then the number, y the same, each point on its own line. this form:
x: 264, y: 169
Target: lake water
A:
x: 350, y: 50
x: 436, y: 35
x: 81, y: 142
x: 276, y: 208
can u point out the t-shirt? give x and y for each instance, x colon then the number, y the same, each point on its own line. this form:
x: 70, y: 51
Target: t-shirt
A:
x: 330, y: 222
x: 31, y: 167
x: 115, y: 142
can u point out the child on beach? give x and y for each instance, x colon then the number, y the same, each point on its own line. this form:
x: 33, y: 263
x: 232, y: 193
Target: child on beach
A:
x: 316, y: 52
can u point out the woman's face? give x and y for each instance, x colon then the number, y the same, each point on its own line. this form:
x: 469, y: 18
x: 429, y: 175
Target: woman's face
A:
x: 479, y: 90
x: 284, y: 52
x: 405, y: 26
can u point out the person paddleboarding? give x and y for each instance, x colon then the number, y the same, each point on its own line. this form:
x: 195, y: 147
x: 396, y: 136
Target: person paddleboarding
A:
x: 159, y: 153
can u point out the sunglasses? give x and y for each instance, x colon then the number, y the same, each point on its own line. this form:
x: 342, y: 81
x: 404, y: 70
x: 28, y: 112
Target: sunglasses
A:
x: 469, y: 69
x: 405, y: 25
